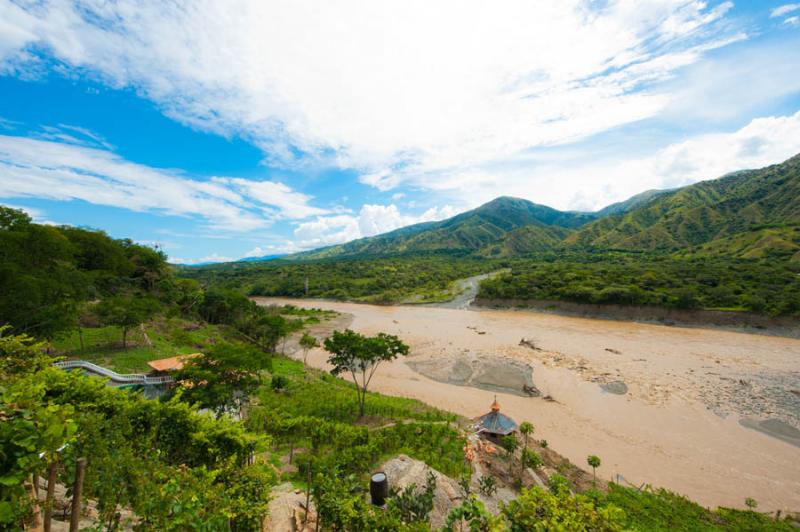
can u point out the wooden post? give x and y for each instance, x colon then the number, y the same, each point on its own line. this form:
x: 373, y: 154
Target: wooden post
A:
x: 77, y: 489
x: 36, y: 514
x: 51, y: 488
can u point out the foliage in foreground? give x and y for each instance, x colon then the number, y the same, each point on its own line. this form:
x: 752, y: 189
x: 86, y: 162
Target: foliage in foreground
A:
x: 174, y: 468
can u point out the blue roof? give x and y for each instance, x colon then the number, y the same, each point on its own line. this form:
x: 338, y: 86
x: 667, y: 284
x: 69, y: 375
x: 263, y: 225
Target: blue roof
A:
x: 497, y: 423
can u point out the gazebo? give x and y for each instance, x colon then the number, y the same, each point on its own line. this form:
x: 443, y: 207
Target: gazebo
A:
x: 495, y: 425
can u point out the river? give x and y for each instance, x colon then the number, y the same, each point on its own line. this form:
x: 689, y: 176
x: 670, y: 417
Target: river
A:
x: 680, y: 425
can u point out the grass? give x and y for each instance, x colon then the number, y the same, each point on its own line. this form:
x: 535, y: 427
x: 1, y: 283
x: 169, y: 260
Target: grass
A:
x: 391, y: 425
x: 168, y: 337
x: 661, y: 510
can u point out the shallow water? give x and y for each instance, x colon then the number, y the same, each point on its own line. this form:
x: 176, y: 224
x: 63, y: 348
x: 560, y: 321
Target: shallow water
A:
x: 678, y: 426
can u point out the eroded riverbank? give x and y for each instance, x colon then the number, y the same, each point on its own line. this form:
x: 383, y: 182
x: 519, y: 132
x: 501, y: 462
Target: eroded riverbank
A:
x: 678, y: 423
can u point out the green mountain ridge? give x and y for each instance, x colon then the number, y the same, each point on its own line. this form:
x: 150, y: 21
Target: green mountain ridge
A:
x: 467, y: 232
x: 700, y: 213
x: 691, y: 217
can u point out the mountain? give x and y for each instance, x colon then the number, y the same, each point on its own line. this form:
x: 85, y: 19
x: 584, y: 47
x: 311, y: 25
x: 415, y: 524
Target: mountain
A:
x: 263, y: 258
x: 634, y: 202
x: 749, y: 213
x: 746, y: 201
x: 467, y: 232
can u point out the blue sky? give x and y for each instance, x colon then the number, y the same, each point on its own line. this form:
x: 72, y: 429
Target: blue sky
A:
x: 223, y: 130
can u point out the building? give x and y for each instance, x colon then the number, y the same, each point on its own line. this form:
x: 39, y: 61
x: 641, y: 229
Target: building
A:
x: 164, y: 365
x: 494, y: 425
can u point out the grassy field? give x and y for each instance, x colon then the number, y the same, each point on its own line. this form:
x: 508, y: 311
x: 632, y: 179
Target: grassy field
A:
x: 161, y: 338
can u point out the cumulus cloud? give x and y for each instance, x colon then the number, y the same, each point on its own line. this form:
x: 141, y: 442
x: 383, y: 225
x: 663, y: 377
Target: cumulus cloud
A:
x: 377, y: 86
x: 371, y: 220
x: 65, y: 171
x: 214, y: 257
x: 597, y: 182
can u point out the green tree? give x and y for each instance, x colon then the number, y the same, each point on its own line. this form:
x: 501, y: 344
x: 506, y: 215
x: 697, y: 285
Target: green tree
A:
x: 538, y: 509
x: 594, y: 463
x: 411, y: 505
x: 223, y: 378
x: 20, y: 354
x: 32, y: 429
x: 474, y: 515
x: 126, y: 312
x: 307, y: 342
x: 526, y: 429
x: 530, y: 459
x: 509, y: 443
x: 360, y: 356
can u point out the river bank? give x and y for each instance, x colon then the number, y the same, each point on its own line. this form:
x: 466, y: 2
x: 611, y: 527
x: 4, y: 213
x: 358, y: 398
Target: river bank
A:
x: 718, y: 319
x: 677, y: 422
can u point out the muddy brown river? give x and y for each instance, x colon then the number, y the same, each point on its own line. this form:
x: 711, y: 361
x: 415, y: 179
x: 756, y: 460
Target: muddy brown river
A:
x: 708, y: 413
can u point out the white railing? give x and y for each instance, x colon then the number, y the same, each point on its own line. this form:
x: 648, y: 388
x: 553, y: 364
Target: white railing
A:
x: 131, y: 378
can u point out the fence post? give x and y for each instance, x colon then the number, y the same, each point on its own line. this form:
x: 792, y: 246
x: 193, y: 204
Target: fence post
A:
x: 77, y: 489
x: 51, y: 488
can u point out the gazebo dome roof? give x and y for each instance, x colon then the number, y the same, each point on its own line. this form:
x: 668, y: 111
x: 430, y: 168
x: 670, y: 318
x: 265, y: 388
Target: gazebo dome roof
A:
x: 495, y: 422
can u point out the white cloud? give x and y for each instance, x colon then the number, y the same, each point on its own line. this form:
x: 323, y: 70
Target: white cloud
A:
x: 272, y: 249
x: 784, y: 10
x: 290, y: 204
x: 792, y: 21
x: 63, y: 171
x: 214, y: 257
x: 371, y: 220
x: 379, y: 86
x: 597, y: 182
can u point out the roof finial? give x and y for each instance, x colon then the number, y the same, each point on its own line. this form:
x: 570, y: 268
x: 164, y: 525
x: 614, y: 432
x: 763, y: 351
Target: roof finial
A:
x: 495, y: 405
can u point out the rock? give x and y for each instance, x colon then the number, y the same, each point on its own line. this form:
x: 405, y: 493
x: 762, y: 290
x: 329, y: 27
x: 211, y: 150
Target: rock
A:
x: 497, y: 374
x: 403, y: 471
x: 615, y: 387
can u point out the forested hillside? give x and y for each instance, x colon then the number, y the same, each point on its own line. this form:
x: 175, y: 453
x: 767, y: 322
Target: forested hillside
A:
x: 743, y: 202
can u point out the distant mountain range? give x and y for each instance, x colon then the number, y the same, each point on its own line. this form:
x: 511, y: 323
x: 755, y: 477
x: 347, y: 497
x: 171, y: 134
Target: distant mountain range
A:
x: 742, y: 214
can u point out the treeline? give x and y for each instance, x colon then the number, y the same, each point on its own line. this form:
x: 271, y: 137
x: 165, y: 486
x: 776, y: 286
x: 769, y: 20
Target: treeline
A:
x: 58, y: 279
x: 387, y: 279
x: 759, y: 286
x: 47, y: 273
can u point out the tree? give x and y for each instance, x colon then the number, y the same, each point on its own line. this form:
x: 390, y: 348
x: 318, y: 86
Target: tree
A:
x: 526, y: 429
x: 307, y: 342
x: 126, y: 312
x: 510, y: 443
x: 530, y: 459
x: 538, y: 509
x: 594, y: 462
x: 223, y: 378
x: 360, y: 356
x: 411, y: 505
x: 751, y: 503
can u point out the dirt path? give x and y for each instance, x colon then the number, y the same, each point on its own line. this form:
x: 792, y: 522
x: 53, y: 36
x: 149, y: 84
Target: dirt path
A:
x: 678, y: 423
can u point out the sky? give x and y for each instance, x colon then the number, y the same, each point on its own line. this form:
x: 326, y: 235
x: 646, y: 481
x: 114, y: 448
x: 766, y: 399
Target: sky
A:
x: 220, y: 130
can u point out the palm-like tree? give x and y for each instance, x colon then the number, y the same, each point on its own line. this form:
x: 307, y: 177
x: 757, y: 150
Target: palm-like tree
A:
x: 594, y: 462
x: 526, y: 429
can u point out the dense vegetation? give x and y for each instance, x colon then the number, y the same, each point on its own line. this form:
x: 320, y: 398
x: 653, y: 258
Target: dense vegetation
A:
x: 634, y: 279
x: 387, y: 279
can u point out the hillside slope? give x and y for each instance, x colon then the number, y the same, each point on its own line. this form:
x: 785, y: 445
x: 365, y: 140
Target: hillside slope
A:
x: 467, y: 232
x: 695, y: 215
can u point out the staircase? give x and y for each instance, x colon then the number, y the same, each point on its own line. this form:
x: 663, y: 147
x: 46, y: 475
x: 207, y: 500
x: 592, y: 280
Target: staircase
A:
x: 113, y: 376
